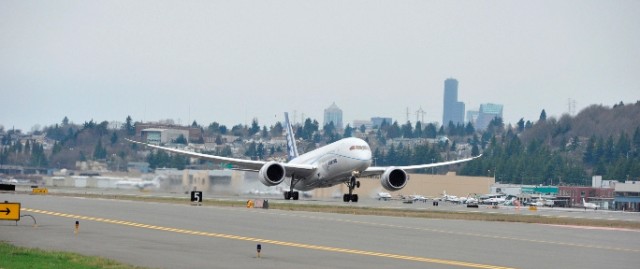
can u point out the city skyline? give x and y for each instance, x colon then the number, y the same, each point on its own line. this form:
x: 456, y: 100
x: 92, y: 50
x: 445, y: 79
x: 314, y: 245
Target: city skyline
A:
x: 230, y: 62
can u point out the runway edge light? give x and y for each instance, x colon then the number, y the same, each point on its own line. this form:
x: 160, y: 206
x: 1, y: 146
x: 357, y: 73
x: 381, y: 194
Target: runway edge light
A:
x: 259, y: 248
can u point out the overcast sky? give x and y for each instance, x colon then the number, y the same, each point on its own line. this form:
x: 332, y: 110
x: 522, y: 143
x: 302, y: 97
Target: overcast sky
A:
x: 231, y: 61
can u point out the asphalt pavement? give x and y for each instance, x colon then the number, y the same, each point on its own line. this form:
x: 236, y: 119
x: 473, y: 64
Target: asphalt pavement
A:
x: 159, y: 235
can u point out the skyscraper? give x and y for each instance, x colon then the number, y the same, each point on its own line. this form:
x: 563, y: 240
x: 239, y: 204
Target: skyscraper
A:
x: 333, y: 114
x: 453, y: 111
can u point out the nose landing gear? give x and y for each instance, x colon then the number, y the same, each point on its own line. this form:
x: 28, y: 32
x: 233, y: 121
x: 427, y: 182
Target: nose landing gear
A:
x: 352, y: 184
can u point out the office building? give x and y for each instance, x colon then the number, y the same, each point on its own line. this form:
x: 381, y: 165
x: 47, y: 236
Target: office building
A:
x: 453, y: 110
x: 486, y: 114
x: 333, y: 114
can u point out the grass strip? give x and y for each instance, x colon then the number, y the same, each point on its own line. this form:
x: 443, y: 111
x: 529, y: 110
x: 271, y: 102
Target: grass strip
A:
x: 19, y: 257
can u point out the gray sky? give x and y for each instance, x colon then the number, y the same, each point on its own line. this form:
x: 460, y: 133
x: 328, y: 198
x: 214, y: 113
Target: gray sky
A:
x: 231, y: 61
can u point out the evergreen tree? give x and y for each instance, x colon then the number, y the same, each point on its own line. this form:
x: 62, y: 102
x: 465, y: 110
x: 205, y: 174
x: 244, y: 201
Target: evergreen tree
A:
x: 181, y: 140
x: 128, y: 126
x: 348, y: 131
x: 114, y: 138
x: 255, y: 127
x: 520, y: 125
x: 543, y: 116
x: 469, y: 129
x: 99, y: 151
x: 417, y: 131
x: 407, y: 130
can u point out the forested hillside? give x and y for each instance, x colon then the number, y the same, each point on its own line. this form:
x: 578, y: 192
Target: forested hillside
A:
x: 599, y: 140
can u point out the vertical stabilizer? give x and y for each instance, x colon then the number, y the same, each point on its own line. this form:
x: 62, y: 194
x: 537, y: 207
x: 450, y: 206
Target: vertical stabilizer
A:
x: 292, y: 149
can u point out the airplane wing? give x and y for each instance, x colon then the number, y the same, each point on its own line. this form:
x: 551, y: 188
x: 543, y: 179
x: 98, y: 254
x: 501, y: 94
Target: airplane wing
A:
x: 379, y: 170
x: 239, y: 164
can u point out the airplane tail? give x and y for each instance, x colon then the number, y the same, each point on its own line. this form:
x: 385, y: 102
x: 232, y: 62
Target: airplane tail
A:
x: 292, y: 149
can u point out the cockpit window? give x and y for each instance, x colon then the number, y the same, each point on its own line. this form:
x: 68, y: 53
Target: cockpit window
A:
x: 358, y: 147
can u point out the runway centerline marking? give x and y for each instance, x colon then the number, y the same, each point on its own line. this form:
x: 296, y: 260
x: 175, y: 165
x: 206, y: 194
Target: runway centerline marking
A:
x: 267, y: 241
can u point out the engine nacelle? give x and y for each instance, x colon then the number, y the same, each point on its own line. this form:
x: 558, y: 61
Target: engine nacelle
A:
x: 394, y: 179
x: 271, y: 174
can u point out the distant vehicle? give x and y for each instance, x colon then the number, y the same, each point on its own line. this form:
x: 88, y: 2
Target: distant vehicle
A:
x: 384, y: 196
x: 589, y: 205
x: 340, y: 162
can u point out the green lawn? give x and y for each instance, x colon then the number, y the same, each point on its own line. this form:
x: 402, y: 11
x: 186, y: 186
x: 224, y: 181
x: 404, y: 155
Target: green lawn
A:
x: 12, y: 257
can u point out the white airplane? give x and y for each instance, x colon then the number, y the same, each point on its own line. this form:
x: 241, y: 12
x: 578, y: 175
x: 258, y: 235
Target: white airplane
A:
x: 384, y: 196
x: 589, y: 205
x: 418, y: 198
x: 450, y: 198
x: 341, y: 162
x: 132, y: 184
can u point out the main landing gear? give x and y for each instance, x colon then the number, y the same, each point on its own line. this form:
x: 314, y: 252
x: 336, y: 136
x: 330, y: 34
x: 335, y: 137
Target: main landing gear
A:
x: 352, y: 184
x: 291, y: 194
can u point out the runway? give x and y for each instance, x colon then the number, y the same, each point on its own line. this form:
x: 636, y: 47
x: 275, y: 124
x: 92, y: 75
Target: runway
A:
x: 161, y: 235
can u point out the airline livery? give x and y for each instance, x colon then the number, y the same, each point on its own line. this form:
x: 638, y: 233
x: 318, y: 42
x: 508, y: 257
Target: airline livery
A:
x: 341, y: 162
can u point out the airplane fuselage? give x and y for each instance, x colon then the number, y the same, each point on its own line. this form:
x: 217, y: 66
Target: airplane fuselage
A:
x: 336, y: 163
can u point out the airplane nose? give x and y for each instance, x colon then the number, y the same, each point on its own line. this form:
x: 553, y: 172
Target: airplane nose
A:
x: 366, y: 155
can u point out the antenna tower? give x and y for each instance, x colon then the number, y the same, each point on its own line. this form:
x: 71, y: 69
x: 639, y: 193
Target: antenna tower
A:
x: 571, y: 105
x: 420, y: 115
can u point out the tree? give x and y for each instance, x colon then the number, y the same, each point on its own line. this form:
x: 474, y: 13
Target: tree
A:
x: 114, y: 138
x: 99, y: 151
x: 469, y: 129
x: 255, y: 127
x: 65, y: 121
x: 393, y: 131
x: 520, y: 125
x: 417, y: 131
x: 276, y: 130
x: 128, y: 126
x: 407, y: 130
x: 348, y: 131
x: 543, y: 116
x: 181, y: 140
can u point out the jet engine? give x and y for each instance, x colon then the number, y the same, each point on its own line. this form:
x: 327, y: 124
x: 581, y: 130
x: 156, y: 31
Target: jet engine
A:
x: 394, y: 179
x: 271, y: 174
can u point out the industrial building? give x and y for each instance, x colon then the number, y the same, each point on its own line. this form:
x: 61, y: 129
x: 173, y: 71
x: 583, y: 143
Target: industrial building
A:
x: 162, y: 136
x: 627, y: 196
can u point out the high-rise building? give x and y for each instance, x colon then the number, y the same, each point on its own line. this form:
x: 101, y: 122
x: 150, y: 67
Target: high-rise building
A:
x: 487, y: 113
x: 453, y: 110
x: 333, y: 114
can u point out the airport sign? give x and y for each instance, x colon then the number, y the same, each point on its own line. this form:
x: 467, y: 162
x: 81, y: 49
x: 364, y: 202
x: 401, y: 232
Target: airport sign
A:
x: 40, y: 191
x: 10, y: 211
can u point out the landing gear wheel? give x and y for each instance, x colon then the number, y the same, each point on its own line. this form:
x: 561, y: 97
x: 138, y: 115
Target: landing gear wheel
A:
x: 352, y: 184
x: 295, y: 195
x: 287, y: 195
